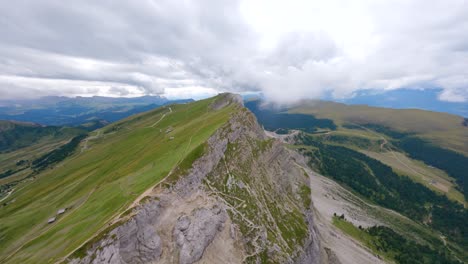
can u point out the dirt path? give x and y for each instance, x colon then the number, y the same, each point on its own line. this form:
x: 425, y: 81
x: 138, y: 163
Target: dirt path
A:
x: 383, y: 147
x: 85, y: 145
x: 162, y: 117
x: 9, y: 193
x: 383, y: 143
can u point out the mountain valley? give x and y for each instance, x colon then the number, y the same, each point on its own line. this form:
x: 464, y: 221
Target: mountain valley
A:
x: 213, y: 181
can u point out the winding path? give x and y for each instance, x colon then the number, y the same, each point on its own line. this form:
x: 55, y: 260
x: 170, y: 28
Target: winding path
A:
x: 162, y: 117
x: 9, y: 193
x: 85, y: 145
x: 383, y: 147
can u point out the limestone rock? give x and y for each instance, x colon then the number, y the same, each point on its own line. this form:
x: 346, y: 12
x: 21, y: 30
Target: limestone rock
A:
x: 225, y: 99
x: 193, y: 234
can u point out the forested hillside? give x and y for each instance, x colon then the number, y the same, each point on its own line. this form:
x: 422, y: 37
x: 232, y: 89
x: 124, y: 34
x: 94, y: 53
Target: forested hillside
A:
x: 15, y: 135
x: 378, y: 183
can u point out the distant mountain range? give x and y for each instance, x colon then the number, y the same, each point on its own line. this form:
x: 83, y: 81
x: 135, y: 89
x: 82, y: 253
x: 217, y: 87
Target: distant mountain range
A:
x: 58, y: 110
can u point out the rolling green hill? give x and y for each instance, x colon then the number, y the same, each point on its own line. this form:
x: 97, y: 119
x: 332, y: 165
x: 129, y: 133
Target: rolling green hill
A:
x: 15, y: 135
x: 178, y: 173
x: 430, y: 147
x: 22, y: 144
x: 442, y: 129
x: 109, y: 170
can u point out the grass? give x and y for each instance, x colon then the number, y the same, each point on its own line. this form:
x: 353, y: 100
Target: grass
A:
x: 186, y: 164
x: 9, y: 160
x: 369, y: 143
x: 443, y: 129
x: 101, y: 181
x: 431, y: 177
x: 360, y: 235
x: 351, y: 230
x: 305, y: 193
x: 351, y: 139
x: 392, y: 246
x: 422, y: 234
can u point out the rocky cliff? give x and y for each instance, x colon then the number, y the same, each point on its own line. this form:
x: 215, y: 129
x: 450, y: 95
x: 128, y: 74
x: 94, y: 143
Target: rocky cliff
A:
x: 238, y: 198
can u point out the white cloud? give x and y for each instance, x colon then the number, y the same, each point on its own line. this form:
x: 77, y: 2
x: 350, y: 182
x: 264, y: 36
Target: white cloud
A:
x: 288, y: 50
x: 191, y: 92
x: 455, y: 96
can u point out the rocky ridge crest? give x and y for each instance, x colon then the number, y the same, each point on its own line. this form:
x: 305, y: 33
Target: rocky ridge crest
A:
x: 244, y: 200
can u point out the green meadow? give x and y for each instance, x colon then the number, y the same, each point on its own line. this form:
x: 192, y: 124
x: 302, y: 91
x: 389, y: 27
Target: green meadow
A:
x: 445, y: 130
x: 441, y: 129
x: 100, y: 180
x: 371, y: 144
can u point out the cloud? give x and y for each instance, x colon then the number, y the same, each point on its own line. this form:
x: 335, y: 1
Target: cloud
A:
x: 456, y: 88
x: 295, y: 49
x: 287, y: 50
x: 150, y: 45
x: 121, y: 91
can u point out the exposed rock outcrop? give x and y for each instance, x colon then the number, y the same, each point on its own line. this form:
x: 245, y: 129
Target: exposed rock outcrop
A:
x: 243, y: 200
x: 194, y: 233
x: 226, y: 99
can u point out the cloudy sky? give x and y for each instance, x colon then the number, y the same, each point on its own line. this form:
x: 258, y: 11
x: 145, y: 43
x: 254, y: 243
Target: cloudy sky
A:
x: 288, y: 50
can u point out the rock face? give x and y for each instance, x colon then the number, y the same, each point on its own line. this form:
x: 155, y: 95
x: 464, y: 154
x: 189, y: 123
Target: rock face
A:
x: 226, y: 99
x: 135, y: 241
x: 243, y: 201
x: 138, y: 240
x: 194, y: 233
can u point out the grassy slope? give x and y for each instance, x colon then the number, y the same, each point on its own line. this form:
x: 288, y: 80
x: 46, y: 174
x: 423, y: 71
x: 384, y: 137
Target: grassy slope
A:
x: 399, y: 223
x: 27, y: 142
x: 391, y: 246
x: 359, y: 235
x: 101, y: 181
x: 443, y: 129
x: 16, y: 135
x: 448, y: 132
x: 432, y: 177
x: 403, y: 225
x: 8, y: 160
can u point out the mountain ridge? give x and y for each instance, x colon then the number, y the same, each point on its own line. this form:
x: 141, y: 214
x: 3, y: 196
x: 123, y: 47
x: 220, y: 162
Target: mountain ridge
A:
x: 226, y: 145
x: 228, y: 150
x: 204, y: 182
